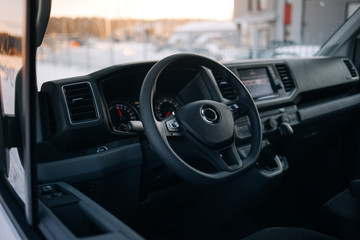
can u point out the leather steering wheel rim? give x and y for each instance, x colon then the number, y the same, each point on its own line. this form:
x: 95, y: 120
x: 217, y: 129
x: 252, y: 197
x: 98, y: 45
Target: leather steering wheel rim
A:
x: 157, y: 132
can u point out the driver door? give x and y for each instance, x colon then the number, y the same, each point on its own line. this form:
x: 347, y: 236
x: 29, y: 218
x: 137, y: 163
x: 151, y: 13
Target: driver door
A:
x: 18, y: 210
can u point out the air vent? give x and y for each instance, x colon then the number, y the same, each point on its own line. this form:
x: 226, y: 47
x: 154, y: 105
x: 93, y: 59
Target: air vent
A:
x: 80, y: 102
x: 351, y: 68
x: 285, y: 77
x: 225, y: 88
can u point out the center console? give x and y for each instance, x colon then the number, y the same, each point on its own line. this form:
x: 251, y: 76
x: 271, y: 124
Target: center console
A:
x: 271, y: 120
x: 271, y: 86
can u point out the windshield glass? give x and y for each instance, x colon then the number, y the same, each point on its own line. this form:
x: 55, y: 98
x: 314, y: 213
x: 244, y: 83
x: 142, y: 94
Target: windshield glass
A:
x: 85, y: 36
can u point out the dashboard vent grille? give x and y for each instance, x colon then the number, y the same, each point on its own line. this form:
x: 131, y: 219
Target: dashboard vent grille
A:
x: 351, y: 68
x: 80, y: 102
x: 225, y: 88
x: 285, y: 77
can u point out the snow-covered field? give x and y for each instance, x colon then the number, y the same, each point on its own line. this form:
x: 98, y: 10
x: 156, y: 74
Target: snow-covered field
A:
x: 60, y: 60
x: 67, y: 61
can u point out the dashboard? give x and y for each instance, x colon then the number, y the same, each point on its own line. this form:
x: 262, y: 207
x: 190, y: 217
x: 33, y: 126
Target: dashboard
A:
x: 85, y: 116
x: 123, y: 104
x: 121, y: 112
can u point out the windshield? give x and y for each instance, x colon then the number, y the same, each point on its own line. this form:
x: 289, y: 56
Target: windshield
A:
x: 85, y: 36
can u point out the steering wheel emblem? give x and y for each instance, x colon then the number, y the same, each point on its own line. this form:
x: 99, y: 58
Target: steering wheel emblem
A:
x: 210, y: 114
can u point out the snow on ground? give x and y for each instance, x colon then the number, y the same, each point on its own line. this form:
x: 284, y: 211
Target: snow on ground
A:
x: 61, y: 61
x: 76, y: 61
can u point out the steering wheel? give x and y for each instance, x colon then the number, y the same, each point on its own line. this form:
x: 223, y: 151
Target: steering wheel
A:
x: 201, y: 133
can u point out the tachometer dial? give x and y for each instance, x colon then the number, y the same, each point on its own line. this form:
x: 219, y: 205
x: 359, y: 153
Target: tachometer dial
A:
x: 165, y: 106
x: 120, y: 115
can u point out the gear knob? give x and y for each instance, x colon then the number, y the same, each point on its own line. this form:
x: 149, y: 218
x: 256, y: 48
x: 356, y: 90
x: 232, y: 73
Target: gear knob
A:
x: 285, y: 130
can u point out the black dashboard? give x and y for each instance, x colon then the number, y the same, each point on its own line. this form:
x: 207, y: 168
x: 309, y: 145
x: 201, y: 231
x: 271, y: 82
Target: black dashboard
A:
x: 89, y: 115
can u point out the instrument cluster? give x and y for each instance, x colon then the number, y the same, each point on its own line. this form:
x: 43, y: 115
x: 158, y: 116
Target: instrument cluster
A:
x: 122, y: 112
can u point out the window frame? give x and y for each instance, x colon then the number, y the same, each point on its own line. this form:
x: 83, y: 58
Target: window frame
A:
x: 23, y: 215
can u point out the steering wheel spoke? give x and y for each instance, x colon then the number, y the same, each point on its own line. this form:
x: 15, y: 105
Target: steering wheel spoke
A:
x: 223, y: 160
x: 226, y: 160
x: 215, y: 158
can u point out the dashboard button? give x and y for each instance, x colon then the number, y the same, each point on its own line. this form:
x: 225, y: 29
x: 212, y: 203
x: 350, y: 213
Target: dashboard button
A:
x: 233, y: 107
x: 172, y: 125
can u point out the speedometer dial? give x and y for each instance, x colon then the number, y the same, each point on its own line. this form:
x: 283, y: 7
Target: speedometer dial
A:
x: 120, y: 115
x: 165, y: 106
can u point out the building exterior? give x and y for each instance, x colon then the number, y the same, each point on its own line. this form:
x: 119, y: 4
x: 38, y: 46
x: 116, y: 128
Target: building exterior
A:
x: 330, y: 14
x: 289, y: 21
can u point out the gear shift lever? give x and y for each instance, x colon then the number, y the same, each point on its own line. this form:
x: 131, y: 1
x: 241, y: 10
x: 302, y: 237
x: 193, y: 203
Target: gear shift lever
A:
x: 285, y: 131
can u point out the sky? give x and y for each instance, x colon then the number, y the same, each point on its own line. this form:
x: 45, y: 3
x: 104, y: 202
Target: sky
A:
x: 145, y: 9
x: 10, y: 22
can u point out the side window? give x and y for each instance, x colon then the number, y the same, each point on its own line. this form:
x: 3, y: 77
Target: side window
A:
x: 11, y: 61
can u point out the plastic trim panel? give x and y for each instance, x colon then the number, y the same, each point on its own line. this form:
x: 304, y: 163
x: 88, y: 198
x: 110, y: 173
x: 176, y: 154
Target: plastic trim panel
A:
x: 91, y: 166
x: 319, y: 110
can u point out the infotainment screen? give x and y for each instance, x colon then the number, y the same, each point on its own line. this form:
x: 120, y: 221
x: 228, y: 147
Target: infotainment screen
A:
x: 257, y: 81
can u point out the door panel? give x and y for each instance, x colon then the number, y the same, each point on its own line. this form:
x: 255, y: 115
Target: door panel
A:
x: 11, y: 61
